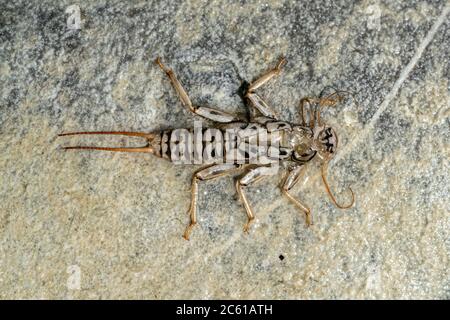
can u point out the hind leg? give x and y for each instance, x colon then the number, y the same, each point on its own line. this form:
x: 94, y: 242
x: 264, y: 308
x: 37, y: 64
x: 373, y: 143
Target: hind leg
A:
x: 205, y: 112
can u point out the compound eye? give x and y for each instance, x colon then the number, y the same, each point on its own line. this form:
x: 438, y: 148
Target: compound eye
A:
x: 328, y: 139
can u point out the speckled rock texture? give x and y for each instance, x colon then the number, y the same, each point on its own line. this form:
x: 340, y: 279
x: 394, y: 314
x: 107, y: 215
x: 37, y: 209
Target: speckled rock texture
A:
x: 81, y: 225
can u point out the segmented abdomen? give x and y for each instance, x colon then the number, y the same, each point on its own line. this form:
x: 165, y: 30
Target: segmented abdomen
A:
x: 235, y: 143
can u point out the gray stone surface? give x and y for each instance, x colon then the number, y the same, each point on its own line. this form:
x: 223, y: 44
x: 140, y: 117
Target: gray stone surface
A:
x: 116, y: 219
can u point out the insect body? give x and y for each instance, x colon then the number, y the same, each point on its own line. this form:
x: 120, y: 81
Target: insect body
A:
x: 254, y: 146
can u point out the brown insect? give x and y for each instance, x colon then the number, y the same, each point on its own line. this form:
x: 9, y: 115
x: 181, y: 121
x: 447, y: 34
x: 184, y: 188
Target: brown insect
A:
x: 255, y: 145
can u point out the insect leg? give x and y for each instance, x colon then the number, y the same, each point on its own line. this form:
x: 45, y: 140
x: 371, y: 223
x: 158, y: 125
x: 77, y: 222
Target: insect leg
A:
x: 205, y: 112
x: 268, y: 75
x: 255, y: 100
x: 292, y: 178
x: 252, y: 176
x: 203, y: 174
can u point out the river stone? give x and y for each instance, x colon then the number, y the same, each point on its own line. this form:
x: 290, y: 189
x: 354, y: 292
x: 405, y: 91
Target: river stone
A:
x: 105, y: 225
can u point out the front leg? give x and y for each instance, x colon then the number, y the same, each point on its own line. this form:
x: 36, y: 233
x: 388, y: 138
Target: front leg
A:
x: 255, y: 100
x: 250, y: 177
x: 203, y: 174
x: 205, y: 112
x: 292, y: 178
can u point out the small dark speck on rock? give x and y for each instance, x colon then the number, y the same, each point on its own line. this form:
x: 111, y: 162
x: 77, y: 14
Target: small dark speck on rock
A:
x: 281, y: 257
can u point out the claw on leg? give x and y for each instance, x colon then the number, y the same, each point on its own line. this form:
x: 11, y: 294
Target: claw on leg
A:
x: 308, y: 218
x: 187, y: 232
x: 161, y: 65
x: 281, y: 63
x: 247, y: 225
